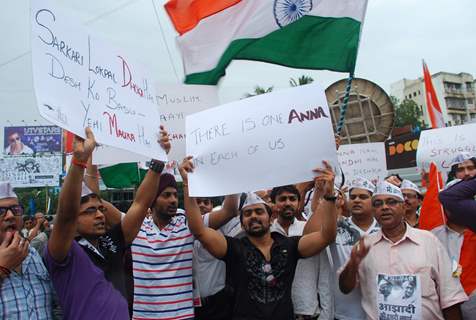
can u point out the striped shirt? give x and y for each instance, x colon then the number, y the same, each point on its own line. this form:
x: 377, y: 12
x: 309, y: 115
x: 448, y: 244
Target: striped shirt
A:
x: 162, y: 265
x: 27, y: 295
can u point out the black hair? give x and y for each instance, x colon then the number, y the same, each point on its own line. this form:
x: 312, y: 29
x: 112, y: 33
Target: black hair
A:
x: 288, y: 188
x: 268, y: 210
x: 454, y: 168
x: 27, y: 218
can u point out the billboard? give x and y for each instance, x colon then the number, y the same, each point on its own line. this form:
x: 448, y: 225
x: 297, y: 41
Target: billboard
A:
x: 31, y: 171
x: 401, y: 151
x: 32, y: 139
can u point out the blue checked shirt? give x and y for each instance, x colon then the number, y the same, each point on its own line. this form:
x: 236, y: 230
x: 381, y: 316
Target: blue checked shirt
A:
x: 29, y: 295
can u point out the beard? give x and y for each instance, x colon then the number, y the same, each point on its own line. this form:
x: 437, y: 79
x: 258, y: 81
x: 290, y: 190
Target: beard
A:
x: 288, y: 213
x: 256, y: 232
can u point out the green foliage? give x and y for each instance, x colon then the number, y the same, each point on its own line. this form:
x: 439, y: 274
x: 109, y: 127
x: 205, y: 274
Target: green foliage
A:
x: 301, y: 81
x: 407, y: 112
x: 39, y: 195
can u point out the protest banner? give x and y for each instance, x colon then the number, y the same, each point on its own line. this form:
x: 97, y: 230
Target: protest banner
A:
x: 399, y: 296
x: 260, y: 142
x: 175, y: 102
x: 32, y: 139
x: 441, y: 145
x: 363, y: 160
x: 31, y: 171
x: 82, y: 81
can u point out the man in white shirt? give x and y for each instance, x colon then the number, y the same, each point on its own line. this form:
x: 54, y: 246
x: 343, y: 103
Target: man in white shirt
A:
x: 349, y: 231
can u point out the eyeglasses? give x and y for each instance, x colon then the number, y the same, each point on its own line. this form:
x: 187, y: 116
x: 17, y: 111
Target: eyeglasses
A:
x: 17, y: 210
x: 93, y: 210
x: 388, y: 202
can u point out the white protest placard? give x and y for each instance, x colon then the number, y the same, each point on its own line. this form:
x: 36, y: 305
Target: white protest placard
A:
x: 82, y: 81
x: 175, y: 102
x: 363, y: 160
x: 260, y: 142
x: 442, y: 145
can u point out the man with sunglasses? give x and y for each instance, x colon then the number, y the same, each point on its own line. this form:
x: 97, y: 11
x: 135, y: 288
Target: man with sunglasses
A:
x: 25, y: 286
x: 400, y: 253
x: 16, y: 146
x: 85, y: 261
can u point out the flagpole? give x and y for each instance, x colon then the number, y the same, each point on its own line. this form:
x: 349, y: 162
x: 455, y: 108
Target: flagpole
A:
x: 345, y: 103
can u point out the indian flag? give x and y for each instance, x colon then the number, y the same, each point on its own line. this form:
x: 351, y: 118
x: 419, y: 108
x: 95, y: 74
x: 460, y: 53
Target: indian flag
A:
x: 306, y: 34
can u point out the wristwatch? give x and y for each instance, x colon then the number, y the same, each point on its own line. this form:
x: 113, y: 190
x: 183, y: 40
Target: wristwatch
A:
x: 330, y: 198
x: 156, y: 166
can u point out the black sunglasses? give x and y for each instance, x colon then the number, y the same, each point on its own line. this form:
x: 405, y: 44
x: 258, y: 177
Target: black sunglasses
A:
x: 16, y: 209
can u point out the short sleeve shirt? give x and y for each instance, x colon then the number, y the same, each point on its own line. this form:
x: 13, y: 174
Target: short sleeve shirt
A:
x: 262, y: 289
x: 82, y: 289
x: 109, y: 256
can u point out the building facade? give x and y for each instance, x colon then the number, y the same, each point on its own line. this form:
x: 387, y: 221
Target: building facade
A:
x: 456, y: 95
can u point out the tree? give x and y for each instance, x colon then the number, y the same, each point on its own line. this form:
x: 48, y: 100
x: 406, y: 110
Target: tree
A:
x: 259, y: 90
x: 301, y: 81
x: 407, y: 112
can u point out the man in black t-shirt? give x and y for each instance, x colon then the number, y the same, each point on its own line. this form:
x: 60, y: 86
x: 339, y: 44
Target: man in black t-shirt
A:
x: 261, y: 266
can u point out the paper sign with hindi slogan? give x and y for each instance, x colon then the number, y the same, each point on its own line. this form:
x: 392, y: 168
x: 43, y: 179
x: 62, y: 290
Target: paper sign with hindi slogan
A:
x: 399, y: 297
x: 442, y: 145
x: 260, y: 142
x: 175, y: 102
x: 363, y: 160
x: 82, y: 81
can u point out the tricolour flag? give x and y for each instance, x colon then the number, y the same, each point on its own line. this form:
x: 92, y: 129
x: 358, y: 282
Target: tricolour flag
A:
x: 434, y: 110
x: 307, y: 34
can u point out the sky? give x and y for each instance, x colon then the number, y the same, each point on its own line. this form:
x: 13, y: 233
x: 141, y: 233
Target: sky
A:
x: 396, y: 36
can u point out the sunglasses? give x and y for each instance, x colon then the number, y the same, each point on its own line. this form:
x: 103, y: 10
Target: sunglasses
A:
x: 388, y: 202
x: 360, y: 196
x: 93, y: 210
x: 17, y: 210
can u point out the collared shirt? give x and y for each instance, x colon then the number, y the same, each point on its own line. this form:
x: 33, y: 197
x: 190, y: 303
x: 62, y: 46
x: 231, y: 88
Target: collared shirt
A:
x: 262, y: 288
x: 419, y: 253
x: 304, y: 289
x: 27, y: 295
x: 451, y: 240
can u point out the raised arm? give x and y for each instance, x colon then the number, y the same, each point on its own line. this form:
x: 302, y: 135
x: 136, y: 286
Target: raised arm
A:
x: 458, y: 200
x: 322, y: 235
x: 145, y: 194
x: 348, y: 277
x: 70, y: 196
x: 212, y: 240
x: 91, y: 179
x: 228, y: 211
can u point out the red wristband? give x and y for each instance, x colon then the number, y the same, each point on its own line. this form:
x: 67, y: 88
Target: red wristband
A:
x: 78, y: 163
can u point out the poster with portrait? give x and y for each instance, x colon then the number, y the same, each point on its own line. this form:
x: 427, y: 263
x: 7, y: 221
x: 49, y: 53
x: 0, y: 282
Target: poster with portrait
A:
x: 399, y: 297
x: 32, y: 139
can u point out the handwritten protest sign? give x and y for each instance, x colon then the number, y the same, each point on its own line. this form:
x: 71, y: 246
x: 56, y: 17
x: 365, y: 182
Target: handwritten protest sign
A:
x: 364, y: 159
x: 82, y: 81
x: 175, y: 102
x: 441, y: 145
x: 260, y: 142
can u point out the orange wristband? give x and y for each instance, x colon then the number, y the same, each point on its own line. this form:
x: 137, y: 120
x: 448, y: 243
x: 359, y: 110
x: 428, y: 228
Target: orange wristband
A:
x: 78, y: 163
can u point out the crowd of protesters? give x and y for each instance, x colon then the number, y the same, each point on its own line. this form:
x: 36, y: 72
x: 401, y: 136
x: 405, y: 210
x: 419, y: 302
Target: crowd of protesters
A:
x: 308, y: 251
